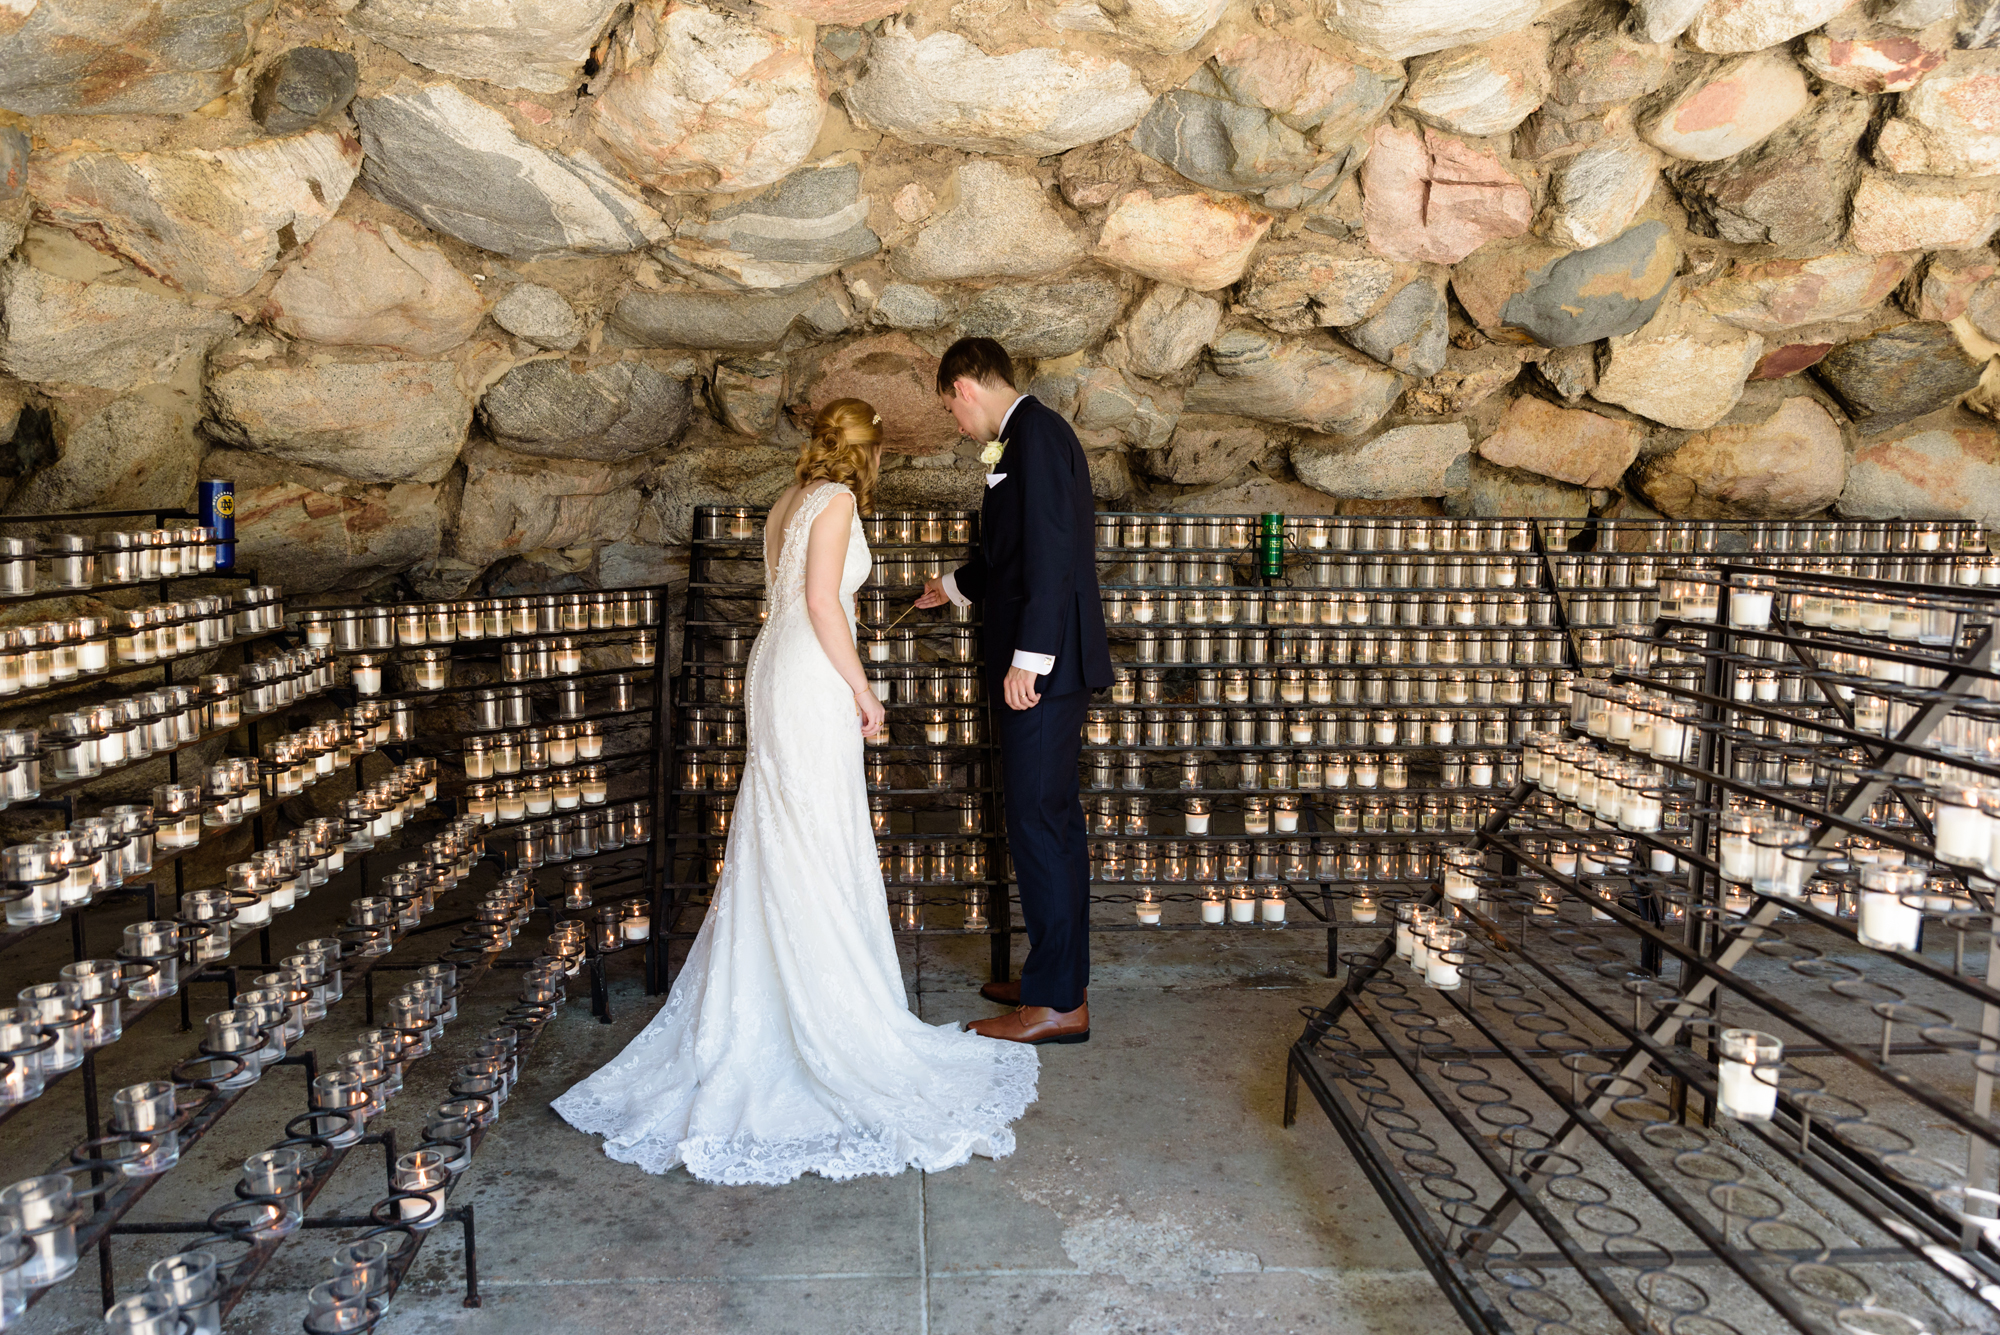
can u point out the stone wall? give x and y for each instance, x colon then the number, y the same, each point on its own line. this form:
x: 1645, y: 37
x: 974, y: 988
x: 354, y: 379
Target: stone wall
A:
x: 491, y: 293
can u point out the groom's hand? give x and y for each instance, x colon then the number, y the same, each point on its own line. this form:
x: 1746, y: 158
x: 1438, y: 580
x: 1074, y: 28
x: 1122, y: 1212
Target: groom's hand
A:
x: 933, y: 594
x: 1019, y: 688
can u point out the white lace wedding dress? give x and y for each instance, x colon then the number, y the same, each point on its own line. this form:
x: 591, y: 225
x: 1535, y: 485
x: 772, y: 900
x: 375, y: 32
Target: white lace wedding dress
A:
x: 786, y: 1045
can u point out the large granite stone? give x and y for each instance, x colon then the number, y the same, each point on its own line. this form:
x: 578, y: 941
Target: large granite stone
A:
x: 1000, y: 224
x: 700, y: 99
x: 311, y: 531
x: 1481, y: 90
x: 514, y: 504
x: 1401, y: 462
x: 129, y: 452
x: 1599, y: 65
x: 1663, y: 20
x: 1584, y: 449
x: 1728, y: 27
x: 892, y: 373
x: 301, y: 88
x: 1900, y: 373
x: 1526, y: 290
x: 122, y: 57
x: 1143, y: 414
x: 1771, y: 295
x: 1400, y: 29
x: 1168, y: 329
x: 1944, y: 466
x: 1304, y: 283
x: 1780, y: 464
x: 943, y: 90
x: 805, y: 227
x: 715, y: 468
x: 1892, y: 213
x: 1790, y: 191
x: 1191, y: 240
x: 98, y: 334
x: 459, y: 167
x: 606, y: 413
x: 205, y: 220
x: 749, y: 393
x: 1330, y: 100
x: 1308, y: 385
x: 1435, y: 198
x: 539, y: 315
x: 1681, y: 368
x: 370, y: 421
x: 1946, y: 285
x: 1169, y: 26
x: 1949, y: 124
x: 1874, y: 58
x: 365, y: 283
x: 1596, y: 194
x: 1411, y: 332
x: 1491, y: 490
x: 688, y: 318
x: 1207, y: 450
x: 1044, y: 319
x: 539, y: 45
x: 1735, y: 106
x: 1214, y: 140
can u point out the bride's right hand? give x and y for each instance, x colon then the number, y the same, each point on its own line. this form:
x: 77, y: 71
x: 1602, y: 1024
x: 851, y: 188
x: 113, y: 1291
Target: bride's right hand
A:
x: 873, y: 716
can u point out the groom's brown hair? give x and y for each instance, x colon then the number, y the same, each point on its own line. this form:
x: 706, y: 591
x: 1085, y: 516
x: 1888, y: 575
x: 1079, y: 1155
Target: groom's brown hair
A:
x: 979, y: 359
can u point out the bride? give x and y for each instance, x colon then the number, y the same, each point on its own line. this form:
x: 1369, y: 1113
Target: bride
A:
x: 786, y: 1045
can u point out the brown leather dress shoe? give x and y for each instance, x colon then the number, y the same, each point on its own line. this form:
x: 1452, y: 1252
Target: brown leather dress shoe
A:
x: 1037, y: 1025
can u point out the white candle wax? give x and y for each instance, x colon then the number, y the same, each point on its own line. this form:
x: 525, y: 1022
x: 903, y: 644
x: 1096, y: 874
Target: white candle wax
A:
x: 1197, y: 822
x: 1750, y: 608
x: 368, y: 680
x: 878, y: 651
x: 1385, y: 733
x: 1457, y: 885
x: 1211, y: 910
x: 1737, y: 855
x: 636, y: 929
x: 1364, y: 913
x: 1149, y: 914
x: 1887, y: 922
x: 1964, y: 834
x: 1273, y: 908
x: 1242, y: 910
x: 1669, y: 739
x: 1440, y: 973
x: 1742, y: 1094
x: 1874, y: 616
x: 1254, y: 823
x: 93, y: 656
x: 1287, y: 821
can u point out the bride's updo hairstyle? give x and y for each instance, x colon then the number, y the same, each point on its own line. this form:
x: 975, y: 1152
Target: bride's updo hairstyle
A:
x: 845, y: 436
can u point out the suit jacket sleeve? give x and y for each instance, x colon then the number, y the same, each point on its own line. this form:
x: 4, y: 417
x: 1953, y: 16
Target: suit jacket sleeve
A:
x: 1048, y: 549
x: 971, y: 577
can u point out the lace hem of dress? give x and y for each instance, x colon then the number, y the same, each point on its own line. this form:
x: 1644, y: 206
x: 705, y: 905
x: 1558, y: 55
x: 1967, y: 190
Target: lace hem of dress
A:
x: 933, y: 1146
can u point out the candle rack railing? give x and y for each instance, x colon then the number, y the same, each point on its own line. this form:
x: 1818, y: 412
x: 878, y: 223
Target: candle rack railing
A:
x: 1677, y: 1053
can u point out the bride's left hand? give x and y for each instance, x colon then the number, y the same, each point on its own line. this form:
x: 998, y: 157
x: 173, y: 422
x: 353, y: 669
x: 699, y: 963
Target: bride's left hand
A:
x: 873, y: 716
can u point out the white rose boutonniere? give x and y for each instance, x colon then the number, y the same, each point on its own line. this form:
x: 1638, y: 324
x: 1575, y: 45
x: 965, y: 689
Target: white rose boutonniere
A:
x: 991, y: 454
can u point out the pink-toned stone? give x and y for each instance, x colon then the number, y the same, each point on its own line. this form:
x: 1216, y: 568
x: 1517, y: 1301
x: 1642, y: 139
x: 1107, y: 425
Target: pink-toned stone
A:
x: 1788, y: 464
x: 1788, y: 359
x: 1729, y: 27
x: 1902, y: 213
x: 1947, y: 283
x: 365, y: 283
x: 1948, y: 125
x: 1872, y: 58
x: 1769, y: 295
x: 1191, y: 240
x: 1737, y: 106
x: 1434, y: 198
x: 897, y: 377
x: 1568, y: 444
x: 1313, y: 91
x: 205, y: 220
x: 702, y: 100
x: 1944, y: 466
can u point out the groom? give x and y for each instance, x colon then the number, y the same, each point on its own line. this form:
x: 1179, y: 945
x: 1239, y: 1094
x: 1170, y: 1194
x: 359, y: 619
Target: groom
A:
x: 1035, y: 574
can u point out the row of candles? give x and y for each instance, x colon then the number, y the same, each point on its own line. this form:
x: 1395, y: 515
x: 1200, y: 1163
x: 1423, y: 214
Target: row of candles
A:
x: 414, y: 625
x: 51, y: 653
x: 272, y: 1186
x: 1587, y: 572
x: 585, y: 834
x: 1412, y: 646
x: 50, y: 1033
x: 430, y: 669
x: 1303, y: 608
x: 76, y: 562
x: 1362, y: 572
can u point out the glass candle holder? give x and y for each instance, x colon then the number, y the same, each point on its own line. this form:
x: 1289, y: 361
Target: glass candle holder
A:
x: 46, y: 1209
x: 1891, y: 914
x: 1747, y: 1073
x: 277, y: 1177
x: 147, y: 1108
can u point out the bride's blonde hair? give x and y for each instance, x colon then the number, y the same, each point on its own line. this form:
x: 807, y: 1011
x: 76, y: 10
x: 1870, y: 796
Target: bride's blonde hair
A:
x: 842, y: 448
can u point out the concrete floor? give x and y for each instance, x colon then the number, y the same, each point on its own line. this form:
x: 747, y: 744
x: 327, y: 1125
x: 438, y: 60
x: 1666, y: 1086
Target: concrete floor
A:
x: 1153, y: 1191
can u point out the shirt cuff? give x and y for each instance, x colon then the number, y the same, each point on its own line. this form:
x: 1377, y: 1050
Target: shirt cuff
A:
x: 1039, y: 664
x: 958, y: 599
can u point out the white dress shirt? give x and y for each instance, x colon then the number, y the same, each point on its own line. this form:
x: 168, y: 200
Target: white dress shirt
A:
x: 1039, y: 664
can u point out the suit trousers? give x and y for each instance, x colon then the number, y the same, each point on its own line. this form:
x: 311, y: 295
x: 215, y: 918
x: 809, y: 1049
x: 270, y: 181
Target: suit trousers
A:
x: 1039, y: 749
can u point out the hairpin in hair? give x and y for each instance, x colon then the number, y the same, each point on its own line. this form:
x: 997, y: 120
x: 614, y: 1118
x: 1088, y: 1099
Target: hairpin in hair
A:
x: 876, y: 420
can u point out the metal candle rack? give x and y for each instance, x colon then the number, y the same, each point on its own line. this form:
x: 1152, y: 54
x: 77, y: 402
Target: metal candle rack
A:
x: 1703, y: 1036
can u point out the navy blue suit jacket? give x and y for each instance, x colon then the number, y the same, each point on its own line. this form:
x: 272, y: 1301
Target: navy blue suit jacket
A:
x: 1035, y: 570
